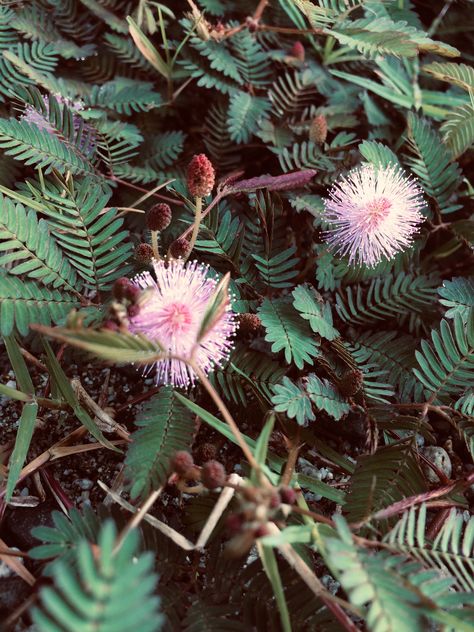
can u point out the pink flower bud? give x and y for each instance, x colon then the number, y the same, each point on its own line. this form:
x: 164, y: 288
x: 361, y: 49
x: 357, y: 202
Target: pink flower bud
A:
x: 201, y: 176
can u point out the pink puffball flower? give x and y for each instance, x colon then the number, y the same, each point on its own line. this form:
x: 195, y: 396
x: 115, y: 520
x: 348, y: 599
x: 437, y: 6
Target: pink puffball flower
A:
x: 171, y: 310
x: 372, y: 214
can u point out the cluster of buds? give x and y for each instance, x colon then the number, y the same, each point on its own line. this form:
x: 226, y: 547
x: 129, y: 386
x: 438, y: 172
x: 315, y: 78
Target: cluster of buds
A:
x: 211, y: 475
x: 258, y: 507
x: 125, y: 304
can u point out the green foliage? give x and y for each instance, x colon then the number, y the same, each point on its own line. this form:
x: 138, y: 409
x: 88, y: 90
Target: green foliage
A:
x: 389, y: 475
x: 459, y: 129
x: 336, y: 372
x: 165, y: 426
x: 313, y: 309
x: 325, y: 397
x: 439, y: 176
x: 245, y: 113
x: 383, y: 36
x: 446, y: 366
x: 394, y: 354
x: 25, y: 302
x: 110, y: 590
x: 288, y: 332
x: 296, y: 399
x: 457, y: 74
x: 385, y: 298
x: 451, y: 552
x: 279, y: 270
x: 292, y: 399
x: 38, y: 147
x: 391, y: 592
x: 458, y: 295
x: 248, y: 373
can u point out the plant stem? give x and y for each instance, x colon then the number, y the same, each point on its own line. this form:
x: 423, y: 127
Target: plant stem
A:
x: 154, y: 244
x: 197, y: 223
x: 227, y: 417
x: 137, y: 517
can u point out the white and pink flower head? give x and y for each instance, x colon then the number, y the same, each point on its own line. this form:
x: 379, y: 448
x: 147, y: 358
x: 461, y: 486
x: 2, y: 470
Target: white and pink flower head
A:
x: 171, y: 311
x: 373, y: 214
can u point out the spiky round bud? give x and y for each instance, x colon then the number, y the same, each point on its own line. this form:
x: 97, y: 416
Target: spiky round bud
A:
x: 207, y: 452
x: 182, y: 462
x: 110, y: 325
x: 201, y: 176
x: 133, y: 310
x: 179, y: 248
x: 121, y: 287
x: 350, y: 383
x: 288, y: 495
x: 213, y: 475
x: 249, y: 323
x: 298, y: 51
x: 318, y: 130
x: 144, y: 253
x: 158, y: 217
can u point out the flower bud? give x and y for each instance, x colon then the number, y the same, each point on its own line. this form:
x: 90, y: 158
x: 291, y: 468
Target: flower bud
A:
x: 133, y: 310
x: 201, y: 176
x: 179, y: 248
x: 318, y: 130
x: 249, y: 323
x: 110, y: 325
x: 213, y: 475
x: 158, y: 217
x: 207, y: 451
x: 298, y: 51
x: 350, y: 383
x: 121, y: 288
x: 182, y: 462
x: 288, y: 495
x: 144, y: 253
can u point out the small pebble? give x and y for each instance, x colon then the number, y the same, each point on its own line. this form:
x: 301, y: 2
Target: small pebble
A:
x: 84, y: 483
x: 5, y: 570
x: 330, y: 583
x: 440, y: 458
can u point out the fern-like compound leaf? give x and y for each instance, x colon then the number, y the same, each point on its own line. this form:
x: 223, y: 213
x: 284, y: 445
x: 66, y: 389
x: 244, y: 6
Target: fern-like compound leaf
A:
x: 446, y: 365
x: 165, y: 426
x: 107, y: 590
x: 288, y: 332
x: 37, y: 147
x: 386, y: 298
x: 451, y: 552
